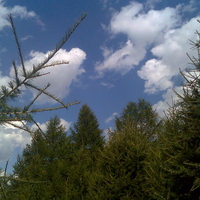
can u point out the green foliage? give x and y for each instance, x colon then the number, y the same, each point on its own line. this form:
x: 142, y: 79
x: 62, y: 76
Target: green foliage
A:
x: 174, y: 165
x: 142, y: 114
x: 120, y: 171
x: 87, y: 140
x: 86, y: 132
x: 42, y: 168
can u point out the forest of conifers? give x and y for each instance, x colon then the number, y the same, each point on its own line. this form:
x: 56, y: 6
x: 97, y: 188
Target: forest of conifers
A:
x: 144, y: 158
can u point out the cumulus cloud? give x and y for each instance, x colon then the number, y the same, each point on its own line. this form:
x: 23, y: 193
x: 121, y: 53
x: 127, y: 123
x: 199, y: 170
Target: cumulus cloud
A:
x: 60, y: 76
x: 143, y: 29
x: 156, y: 75
x: 163, y: 34
x: 16, y: 11
x: 171, y: 56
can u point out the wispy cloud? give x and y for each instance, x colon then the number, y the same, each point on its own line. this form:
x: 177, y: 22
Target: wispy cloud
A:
x: 111, y: 118
x: 26, y: 37
x: 16, y: 11
x: 108, y: 85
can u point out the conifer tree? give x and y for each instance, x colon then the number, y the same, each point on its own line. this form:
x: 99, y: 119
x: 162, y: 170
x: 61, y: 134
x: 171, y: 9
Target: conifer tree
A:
x: 43, y: 166
x: 140, y: 113
x: 87, y: 140
x: 178, y: 174
x: 120, y: 170
x: 86, y: 132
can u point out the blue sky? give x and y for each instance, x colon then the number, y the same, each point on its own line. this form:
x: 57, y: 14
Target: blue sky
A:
x: 122, y: 51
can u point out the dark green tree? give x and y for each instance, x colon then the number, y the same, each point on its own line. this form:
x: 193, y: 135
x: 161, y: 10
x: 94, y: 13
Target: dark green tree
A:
x: 86, y: 132
x: 178, y: 148
x: 43, y: 166
x: 120, y: 171
x: 87, y: 140
x: 140, y: 113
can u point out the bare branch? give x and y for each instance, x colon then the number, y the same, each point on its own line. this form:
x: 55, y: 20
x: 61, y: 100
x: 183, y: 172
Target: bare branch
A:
x: 18, y: 45
x: 37, y: 96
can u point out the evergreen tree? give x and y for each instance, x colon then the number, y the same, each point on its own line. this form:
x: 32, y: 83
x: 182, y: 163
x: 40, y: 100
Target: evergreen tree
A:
x: 178, y: 174
x: 120, y: 171
x: 86, y: 132
x: 142, y: 114
x: 87, y: 140
x: 43, y: 167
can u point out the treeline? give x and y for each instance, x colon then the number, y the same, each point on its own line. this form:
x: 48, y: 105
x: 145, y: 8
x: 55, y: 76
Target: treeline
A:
x: 144, y: 158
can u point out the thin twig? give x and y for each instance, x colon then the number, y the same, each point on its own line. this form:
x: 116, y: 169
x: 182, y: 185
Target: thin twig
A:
x: 18, y: 44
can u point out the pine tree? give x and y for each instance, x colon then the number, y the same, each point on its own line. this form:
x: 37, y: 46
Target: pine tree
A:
x: 43, y: 166
x: 178, y: 174
x: 87, y: 140
x: 120, y: 171
x: 86, y: 132
x: 140, y: 113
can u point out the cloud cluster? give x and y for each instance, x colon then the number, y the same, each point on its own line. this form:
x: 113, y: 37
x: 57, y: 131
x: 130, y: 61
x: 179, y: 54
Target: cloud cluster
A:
x: 170, y: 56
x: 158, y: 37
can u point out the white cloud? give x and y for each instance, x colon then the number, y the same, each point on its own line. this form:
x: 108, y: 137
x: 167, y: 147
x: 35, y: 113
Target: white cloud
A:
x: 60, y: 77
x: 4, y: 79
x: 143, y: 29
x: 163, y: 33
x: 112, y: 117
x: 157, y: 76
x: 106, y: 133
x: 108, y: 85
x: 11, y: 139
x: 26, y: 37
x: 190, y: 7
x: 16, y: 11
x: 171, y: 54
x: 121, y: 61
